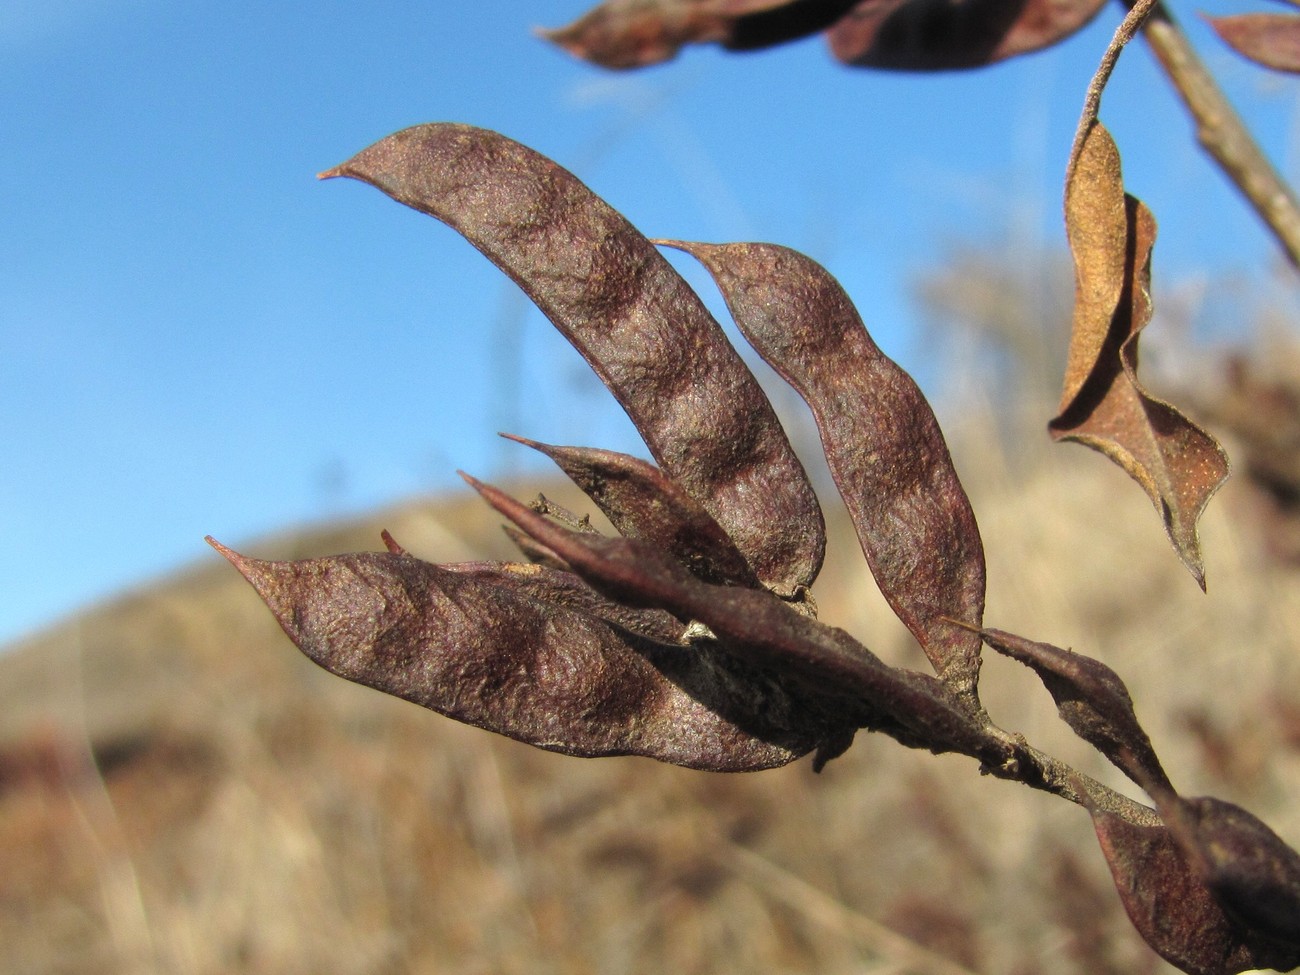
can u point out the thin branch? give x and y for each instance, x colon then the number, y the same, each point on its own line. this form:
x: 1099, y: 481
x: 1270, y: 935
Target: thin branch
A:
x: 1220, y: 131
x: 1139, y: 10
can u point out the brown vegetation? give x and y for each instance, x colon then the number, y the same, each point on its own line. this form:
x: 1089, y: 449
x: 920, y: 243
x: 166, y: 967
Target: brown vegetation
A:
x: 181, y: 791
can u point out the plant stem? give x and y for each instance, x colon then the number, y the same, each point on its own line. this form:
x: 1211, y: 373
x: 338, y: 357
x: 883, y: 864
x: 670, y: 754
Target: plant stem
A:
x: 1220, y: 131
x: 1139, y: 11
x: 1038, y: 770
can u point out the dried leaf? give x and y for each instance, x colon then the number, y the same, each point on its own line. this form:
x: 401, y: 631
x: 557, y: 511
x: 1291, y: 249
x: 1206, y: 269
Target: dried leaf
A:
x: 764, y: 631
x: 881, y: 440
x: 1093, y: 701
x: 642, y: 503
x: 497, y: 657
x: 1178, y: 464
x: 1272, y: 40
x: 913, y: 35
x: 633, y: 318
x: 1173, y: 909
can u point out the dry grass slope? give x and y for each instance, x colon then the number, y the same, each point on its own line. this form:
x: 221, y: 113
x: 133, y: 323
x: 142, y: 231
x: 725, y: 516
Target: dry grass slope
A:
x: 181, y: 792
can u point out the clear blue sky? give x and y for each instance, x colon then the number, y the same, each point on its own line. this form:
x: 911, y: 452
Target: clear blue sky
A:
x: 198, y: 337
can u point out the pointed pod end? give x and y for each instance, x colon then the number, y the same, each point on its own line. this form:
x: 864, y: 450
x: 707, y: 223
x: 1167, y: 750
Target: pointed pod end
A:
x: 556, y: 454
x: 260, y: 574
x: 523, y: 440
x: 498, y: 499
x: 218, y: 546
x: 240, y: 562
x: 274, y: 582
x: 574, y: 40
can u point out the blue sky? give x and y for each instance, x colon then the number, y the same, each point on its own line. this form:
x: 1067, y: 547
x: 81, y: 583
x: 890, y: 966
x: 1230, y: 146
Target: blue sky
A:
x: 198, y: 337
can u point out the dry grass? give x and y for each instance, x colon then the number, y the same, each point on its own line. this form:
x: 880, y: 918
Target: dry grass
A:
x: 181, y: 792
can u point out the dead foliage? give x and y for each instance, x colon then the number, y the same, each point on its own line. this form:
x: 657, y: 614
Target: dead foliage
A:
x: 255, y: 814
x: 690, y: 636
x: 907, y: 35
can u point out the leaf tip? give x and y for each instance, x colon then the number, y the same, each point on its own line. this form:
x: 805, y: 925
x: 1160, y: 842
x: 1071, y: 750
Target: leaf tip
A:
x: 1188, y: 548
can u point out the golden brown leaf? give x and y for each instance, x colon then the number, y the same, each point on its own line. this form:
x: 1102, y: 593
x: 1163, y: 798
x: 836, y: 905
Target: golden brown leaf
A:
x: 1103, y: 405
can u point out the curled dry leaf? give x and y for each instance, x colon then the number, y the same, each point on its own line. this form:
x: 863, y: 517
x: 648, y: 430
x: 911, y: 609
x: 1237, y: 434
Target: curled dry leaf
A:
x: 1174, y: 911
x: 1093, y: 701
x: 910, y: 35
x: 882, y: 442
x: 631, y: 316
x: 514, y: 659
x: 1103, y: 405
x: 1272, y: 40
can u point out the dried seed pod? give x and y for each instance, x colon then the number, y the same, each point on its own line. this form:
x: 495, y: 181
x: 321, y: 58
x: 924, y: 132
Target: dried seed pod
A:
x: 495, y: 656
x: 881, y: 439
x: 1174, y: 910
x: 908, y: 35
x: 641, y: 502
x: 1093, y: 701
x: 938, y: 35
x: 1248, y: 868
x: 632, y: 317
x: 762, y: 630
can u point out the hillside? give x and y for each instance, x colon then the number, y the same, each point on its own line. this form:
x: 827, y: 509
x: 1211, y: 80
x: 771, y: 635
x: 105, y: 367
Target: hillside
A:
x: 182, y: 792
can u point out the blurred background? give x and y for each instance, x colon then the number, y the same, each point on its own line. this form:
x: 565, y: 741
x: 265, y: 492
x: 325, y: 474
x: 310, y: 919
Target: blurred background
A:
x: 197, y: 337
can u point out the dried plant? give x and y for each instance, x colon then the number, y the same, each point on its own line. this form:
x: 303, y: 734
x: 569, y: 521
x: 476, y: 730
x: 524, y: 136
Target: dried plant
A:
x: 692, y: 636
